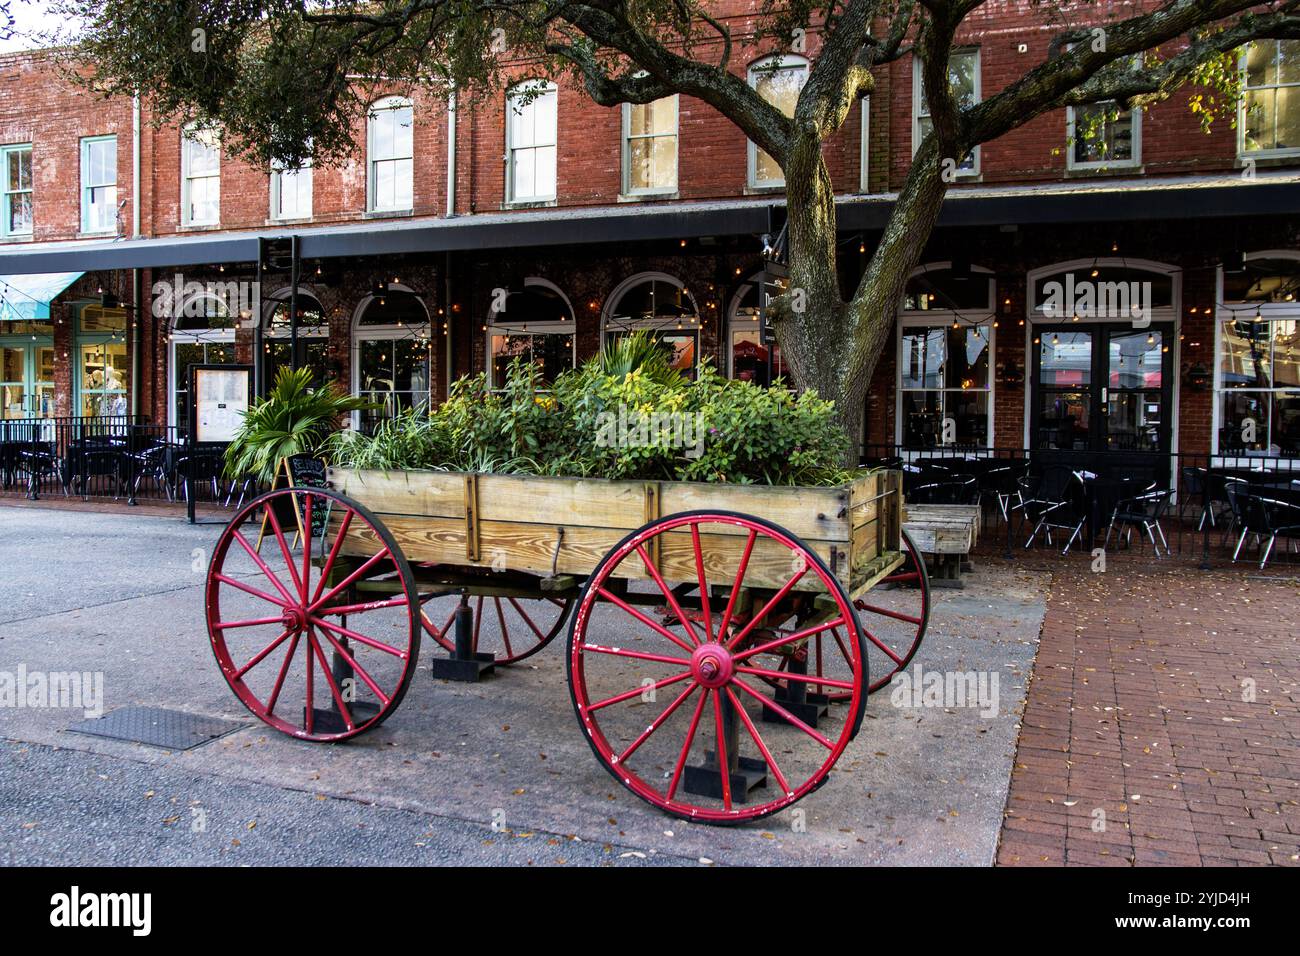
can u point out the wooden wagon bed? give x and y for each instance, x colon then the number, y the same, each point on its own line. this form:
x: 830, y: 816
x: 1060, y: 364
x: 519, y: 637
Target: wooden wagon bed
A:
x: 565, y: 526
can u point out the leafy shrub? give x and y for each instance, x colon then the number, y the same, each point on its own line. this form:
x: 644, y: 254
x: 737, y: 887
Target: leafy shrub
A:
x: 625, y: 414
x: 293, y: 419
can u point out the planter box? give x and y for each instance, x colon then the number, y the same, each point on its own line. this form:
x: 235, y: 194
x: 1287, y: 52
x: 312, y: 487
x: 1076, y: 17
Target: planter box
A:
x: 558, y: 526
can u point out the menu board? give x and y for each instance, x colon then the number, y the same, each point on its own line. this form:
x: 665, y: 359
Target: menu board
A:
x: 220, y: 394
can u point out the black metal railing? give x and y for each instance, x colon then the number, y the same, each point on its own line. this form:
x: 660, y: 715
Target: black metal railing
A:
x: 122, y: 457
x: 1199, y: 505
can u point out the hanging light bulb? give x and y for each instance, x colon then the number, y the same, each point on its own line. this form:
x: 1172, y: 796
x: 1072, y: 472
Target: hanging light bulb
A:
x: 1151, y: 338
x: 1056, y: 339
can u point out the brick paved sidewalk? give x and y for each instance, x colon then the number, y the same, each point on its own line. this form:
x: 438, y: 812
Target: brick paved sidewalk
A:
x: 1140, y: 717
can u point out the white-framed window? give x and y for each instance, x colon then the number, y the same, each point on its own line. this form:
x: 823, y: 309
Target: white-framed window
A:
x: 964, y: 78
x: 536, y: 324
x: 945, y: 346
x: 778, y: 80
x: 278, y: 341
x: 864, y: 147
x: 390, y: 155
x: 1269, y: 124
x: 291, y: 192
x: 16, y: 168
x: 200, y: 176
x: 391, y: 354
x: 1257, y: 357
x: 99, y: 184
x: 1102, y: 136
x: 650, y: 147
x: 532, y: 120
x: 662, y: 305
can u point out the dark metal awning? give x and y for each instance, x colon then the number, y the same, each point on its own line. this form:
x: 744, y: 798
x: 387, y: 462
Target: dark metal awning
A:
x: 1095, y: 200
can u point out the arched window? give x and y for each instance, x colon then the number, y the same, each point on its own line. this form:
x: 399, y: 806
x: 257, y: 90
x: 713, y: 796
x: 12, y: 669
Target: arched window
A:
x: 664, y: 306
x: 1257, y: 350
x: 945, y: 347
x: 536, y: 323
x: 390, y: 155
x: 277, y: 336
x: 749, y: 358
x: 778, y: 80
x: 390, y: 353
x: 203, y: 333
x: 531, y: 137
x: 1102, y: 338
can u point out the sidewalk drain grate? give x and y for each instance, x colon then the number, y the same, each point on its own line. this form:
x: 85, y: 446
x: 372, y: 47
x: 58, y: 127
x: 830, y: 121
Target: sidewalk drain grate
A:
x: 157, y: 727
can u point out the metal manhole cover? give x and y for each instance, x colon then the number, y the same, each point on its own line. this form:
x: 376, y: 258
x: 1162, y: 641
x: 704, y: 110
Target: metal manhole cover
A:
x: 157, y: 727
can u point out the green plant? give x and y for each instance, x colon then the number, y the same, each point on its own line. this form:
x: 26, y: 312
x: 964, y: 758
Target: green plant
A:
x: 638, y: 352
x: 293, y: 419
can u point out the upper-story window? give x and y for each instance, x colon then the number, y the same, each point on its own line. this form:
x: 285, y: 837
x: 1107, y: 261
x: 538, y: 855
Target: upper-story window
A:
x: 16, y: 167
x: 964, y: 79
x: 391, y: 153
x: 650, y: 147
x: 99, y: 184
x: 778, y: 80
x: 531, y: 136
x: 1103, y: 136
x: 1270, y: 102
x: 291, y: 191
x: 200, y: 176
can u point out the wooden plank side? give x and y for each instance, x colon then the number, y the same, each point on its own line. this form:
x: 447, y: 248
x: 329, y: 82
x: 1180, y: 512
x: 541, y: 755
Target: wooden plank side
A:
x: 434, y: 493
x: 593, y: 503
x: 810, y: 513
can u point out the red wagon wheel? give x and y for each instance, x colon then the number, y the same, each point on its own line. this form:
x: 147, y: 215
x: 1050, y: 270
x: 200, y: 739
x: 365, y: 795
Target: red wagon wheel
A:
x: 298, y: 638
x: 663, y: 707
x: 510, y: 627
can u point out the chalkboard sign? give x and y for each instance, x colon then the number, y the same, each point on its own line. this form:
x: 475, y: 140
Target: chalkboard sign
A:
x: 308, y: 472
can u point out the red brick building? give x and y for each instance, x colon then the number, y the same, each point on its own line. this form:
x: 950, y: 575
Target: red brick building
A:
x: 585, y: 222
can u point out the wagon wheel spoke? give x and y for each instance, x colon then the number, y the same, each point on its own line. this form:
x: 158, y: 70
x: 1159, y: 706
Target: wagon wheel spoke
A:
x: 329, y: 679
x: 248, y: 589
x: 279, y: 680
x: 285, y: 550
x: 261, y: 655
x: 356, y: 667
x: 657, y: 723
x: 306, y: 546
x: 897, y: 659
x: 505, y: 631
x: 668, y: 593
x: 262, y: 565
x: 361, y: 638
x: 770, y: 646
x: 478, y: 623
x: 686, y: 746
x: 758, y: 741
x: 894, y: 621
x: 252, y: 622
x: 638, y: 691
x: 768, y: 702
x: 637, y: 655
x: 338, y: 609
x: 724, y: 765
x: 527, y: 620
x: 886, y: 612
x: 653, y: 625
x: 776, y: 599
x: 703, y: 583
x: 735, y: 587
x: 788, y: 675
x: 351, y: 579
x: 328, y: 567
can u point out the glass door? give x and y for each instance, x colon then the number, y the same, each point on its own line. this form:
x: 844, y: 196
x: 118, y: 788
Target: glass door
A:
x: 1102, y: 388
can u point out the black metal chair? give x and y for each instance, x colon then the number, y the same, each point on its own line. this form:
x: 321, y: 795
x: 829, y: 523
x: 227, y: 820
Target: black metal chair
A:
x: 39, y: 462
x: 1263, y: 517
x: 1001, y: 483
x: 152, y: 464
x: 199, y: 467
x: 958, y: 490
x: 1055, y: 502
x: 1144, y: 510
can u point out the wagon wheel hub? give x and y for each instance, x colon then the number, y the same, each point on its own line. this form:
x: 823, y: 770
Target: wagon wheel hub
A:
x: 294, y: 618
x: 712, y: 665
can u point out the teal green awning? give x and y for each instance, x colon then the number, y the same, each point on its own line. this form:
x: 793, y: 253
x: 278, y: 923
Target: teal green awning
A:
x: 26, y: 298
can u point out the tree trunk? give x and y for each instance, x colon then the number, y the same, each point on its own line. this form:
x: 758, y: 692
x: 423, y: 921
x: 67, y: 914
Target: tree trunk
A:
x: 830, y: 345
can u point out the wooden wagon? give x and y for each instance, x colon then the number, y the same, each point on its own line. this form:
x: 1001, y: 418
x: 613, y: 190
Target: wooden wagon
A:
x: 718, y: 662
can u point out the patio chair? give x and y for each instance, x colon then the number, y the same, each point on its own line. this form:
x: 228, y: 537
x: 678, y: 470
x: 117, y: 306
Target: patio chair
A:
x: 36, y: 464
x: 200, y: 467
x: 150, y: 464
x: 959, y: 490
x: 1144, y: 510
x: 1263, y: 517
x: 1001, y: 483
x: 1065, y: 509
x: 92, y: 462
